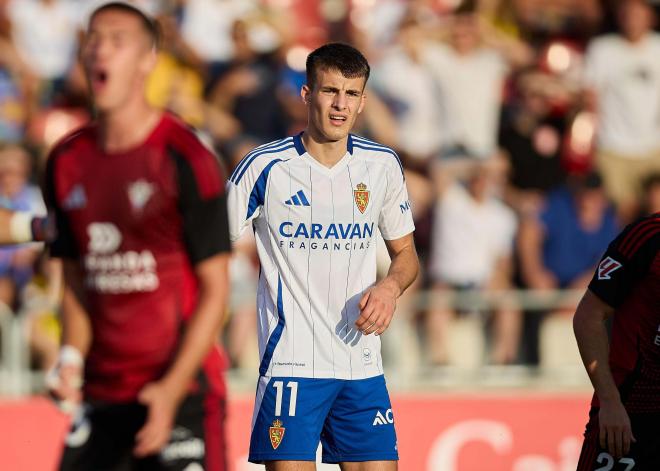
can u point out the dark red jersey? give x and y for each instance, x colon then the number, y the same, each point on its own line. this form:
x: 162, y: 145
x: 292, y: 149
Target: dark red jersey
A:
x: 628, y: 279
x: 137, y: 222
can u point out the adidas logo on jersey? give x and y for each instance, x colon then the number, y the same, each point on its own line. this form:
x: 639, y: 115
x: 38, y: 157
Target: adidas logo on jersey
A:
x: 299, y: 199
x: 76, y: 198
x: 381, y: 419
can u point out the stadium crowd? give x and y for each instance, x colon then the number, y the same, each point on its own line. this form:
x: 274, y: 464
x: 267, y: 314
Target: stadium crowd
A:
x: 529, y: 131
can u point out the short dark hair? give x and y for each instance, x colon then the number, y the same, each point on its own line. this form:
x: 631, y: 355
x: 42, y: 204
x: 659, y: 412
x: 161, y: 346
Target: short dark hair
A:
x: 149, y: 24
x: 337, y: 56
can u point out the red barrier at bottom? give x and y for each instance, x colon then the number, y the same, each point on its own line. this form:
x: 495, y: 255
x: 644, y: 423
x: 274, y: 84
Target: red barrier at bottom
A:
x: 435, y: 433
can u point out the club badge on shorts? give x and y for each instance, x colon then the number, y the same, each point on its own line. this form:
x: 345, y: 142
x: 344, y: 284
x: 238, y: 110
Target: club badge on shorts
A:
x: 276, y: 433
x: 361, y: 196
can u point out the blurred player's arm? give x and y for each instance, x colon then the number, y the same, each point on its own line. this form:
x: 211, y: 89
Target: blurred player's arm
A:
x: 518, y: 53
x: 589, y: 327
x: 204, y: 211
x: 378, y: 303
x: 530, y: 242
x: 65, y: 380
x: 163, y: 397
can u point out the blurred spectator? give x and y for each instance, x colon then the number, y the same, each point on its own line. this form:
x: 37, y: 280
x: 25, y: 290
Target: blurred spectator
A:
x: 470, y: 72
x: 175, y: 83
x: 542, y: 19
x: 413, y: 101
x: 40, y: 303
x: 17, y: 84
x: 16, y: 263
x: 651, y: 199
x: 207, y: 26
x: 559, y: 248
x: 247, y: 94
x: 44, y: 32
x: 471, y: 248
x: 623, y: 76
x: 13, y: 102
x: 532, y: 138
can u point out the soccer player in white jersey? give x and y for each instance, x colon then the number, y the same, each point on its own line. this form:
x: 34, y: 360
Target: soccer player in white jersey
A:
x: 315, y: 202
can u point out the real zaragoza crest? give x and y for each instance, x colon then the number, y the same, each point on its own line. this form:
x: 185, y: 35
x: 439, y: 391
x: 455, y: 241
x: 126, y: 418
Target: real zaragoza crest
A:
x: 361, y: 196
x: 276, y: 433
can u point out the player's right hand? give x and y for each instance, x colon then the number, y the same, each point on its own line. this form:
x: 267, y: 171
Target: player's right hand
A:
x: 615, y: 429
x: 64, y: 380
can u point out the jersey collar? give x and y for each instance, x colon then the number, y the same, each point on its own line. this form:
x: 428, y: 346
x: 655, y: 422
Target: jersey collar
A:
x: 300, y: 148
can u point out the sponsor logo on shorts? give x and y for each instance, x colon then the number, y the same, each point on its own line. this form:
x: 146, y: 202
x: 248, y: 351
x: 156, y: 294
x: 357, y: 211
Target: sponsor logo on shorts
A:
x: 383, y: 419
x: 276, y: 433
x: 607, y: 267
x: 192, y: 448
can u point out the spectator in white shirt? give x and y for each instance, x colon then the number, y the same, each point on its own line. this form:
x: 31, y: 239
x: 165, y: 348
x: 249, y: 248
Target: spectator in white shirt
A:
x: 471, y: 247
x: 622, y: 77
x: 470, y: 70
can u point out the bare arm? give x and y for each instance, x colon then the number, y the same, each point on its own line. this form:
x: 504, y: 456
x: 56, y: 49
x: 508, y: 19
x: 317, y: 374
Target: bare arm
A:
x: 530, y: 248
x: 515, y: 51
x: 378, y: 303
x: 204, y: 327
x: 76, y: 328
x: 592, y: 340
x: 164, y: 396
x: 65, y: 379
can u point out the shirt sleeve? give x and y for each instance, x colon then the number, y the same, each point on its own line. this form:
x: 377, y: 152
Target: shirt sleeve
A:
x: 594, y: 75
x: 395, y: 220
x: 246, y: 193
x: 626, y: 261
x: 64, y: 244
x: 203, y: 208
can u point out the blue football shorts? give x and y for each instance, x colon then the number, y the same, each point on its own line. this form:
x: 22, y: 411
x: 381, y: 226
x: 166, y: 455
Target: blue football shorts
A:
x: 352, y: 419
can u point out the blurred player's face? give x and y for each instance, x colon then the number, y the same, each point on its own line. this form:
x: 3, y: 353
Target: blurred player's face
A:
x: 117, y: 56
x: 333, y: 104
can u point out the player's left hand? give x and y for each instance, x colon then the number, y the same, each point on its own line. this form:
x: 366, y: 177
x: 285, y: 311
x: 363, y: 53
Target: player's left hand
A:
x: 161, y: 409
x: 377, y: 308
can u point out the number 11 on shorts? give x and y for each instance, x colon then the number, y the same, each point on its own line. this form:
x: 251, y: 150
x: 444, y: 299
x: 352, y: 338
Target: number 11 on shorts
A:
x: 279, y: 386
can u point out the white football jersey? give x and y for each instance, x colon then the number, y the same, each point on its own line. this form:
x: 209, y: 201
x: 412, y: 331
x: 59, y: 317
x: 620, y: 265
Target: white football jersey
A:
x: 315, y: 229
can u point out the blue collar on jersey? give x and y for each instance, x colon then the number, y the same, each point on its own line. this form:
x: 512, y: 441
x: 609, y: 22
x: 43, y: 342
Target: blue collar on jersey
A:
x: 300, y: 148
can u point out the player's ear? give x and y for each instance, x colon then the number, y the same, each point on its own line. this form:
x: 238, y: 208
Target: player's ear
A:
x: 305, y: 93
x: 149, y: 61
x: 363, y: 100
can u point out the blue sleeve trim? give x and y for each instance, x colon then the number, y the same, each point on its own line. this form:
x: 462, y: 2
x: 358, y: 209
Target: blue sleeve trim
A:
x: 297, y: 141
x: 258, y: 193
x: 252, y: 152
x: 277, y: 332
x: 249, y: 154
x: 377, y: 147
x: 257, y: 153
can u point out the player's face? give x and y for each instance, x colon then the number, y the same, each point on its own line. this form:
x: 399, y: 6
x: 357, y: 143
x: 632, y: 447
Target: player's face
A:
x: 333, y: 104
x: 117, y: 56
